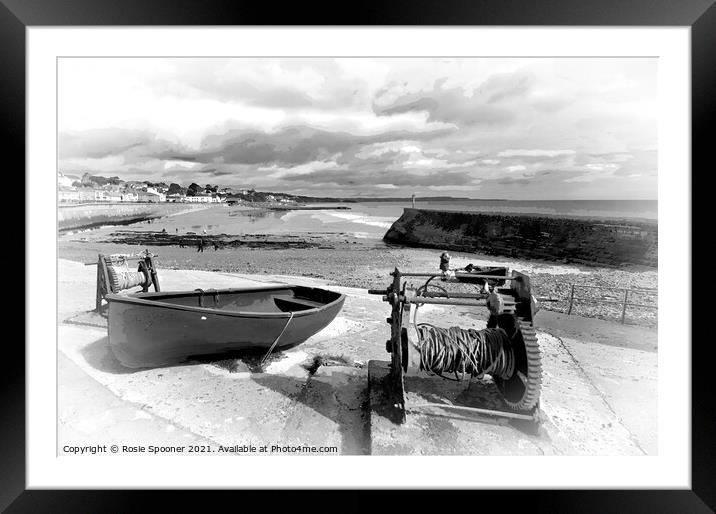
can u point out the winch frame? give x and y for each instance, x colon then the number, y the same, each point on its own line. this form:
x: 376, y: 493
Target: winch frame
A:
x: 145, y: 264
x: 511, y: 306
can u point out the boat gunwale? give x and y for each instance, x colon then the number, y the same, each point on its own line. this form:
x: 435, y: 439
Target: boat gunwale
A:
x: 114, y: 297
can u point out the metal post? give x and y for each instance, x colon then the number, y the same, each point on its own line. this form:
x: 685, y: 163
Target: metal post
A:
x: 571, y: 301
x: 626, y: 294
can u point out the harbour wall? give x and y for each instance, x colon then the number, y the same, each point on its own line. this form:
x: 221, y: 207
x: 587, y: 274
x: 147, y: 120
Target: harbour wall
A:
x: 596, y: 242
x: 82, y: 216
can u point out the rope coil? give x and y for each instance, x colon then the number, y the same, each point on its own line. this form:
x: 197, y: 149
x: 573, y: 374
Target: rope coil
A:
x: 465, y: 351
x: 124, y: 279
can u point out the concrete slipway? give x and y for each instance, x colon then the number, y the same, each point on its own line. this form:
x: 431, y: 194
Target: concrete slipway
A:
x: 598, y: 397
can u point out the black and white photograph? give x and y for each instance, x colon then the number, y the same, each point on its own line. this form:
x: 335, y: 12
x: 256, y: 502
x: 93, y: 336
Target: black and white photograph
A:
x: 337, y: 256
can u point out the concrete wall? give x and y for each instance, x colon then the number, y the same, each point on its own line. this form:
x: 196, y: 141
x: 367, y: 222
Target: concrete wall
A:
x: 582, y: 241
x: 72, y: 217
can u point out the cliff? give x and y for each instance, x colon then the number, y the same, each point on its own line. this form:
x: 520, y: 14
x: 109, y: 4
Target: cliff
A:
x: 582, y: 241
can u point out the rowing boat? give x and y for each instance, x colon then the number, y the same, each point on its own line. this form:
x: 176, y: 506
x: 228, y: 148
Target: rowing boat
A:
x: 162, y: 328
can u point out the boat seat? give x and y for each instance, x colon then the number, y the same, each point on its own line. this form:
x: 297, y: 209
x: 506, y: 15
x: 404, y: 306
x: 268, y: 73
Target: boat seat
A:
x: 291, y: 303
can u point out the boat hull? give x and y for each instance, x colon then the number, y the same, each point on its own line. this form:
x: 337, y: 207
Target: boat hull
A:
x: 146, y: 330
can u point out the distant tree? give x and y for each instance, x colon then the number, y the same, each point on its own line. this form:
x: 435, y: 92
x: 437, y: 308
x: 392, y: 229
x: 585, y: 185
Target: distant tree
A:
x: 174, y: 189
x: 194, y: 187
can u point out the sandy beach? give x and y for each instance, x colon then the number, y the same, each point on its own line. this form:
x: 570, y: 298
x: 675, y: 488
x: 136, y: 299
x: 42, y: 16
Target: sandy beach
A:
x: 349, y: 261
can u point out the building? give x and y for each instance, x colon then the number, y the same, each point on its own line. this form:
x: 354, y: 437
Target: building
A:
x: 202, y: 198
x: 91, y: 195
x: 176, y: 197
x: 146, y: 196
x: 130, y: 196
x: 68, y: 195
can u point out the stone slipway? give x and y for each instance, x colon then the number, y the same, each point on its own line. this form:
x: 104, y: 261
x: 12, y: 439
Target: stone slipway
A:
x: 598, y: 399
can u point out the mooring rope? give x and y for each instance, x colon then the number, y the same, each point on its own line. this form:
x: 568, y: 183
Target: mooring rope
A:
x: 276, y: 340
x: 465, y: 351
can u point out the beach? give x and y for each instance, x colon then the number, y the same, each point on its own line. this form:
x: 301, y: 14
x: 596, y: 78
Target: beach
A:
x: 335, y: 253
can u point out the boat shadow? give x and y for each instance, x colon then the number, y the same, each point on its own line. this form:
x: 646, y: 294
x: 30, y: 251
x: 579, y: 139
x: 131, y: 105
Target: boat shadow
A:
x: 98, y: 354
x: 339, y: 396
x: 335, y: 393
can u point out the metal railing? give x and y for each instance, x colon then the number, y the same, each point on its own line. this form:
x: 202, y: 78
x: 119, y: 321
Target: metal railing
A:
x: 623, y: 302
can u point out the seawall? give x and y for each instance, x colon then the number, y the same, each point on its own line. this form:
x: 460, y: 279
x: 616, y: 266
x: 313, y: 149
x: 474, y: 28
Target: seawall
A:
x: 575, y: 240
x: 81, y: 216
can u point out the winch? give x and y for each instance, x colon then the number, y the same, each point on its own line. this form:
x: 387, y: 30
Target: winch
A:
x: 114, y: 275
x: 507, y: 349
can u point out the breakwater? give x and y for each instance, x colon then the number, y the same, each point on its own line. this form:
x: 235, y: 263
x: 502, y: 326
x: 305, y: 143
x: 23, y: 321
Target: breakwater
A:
x: 570, y: 240
x: 83, y: 216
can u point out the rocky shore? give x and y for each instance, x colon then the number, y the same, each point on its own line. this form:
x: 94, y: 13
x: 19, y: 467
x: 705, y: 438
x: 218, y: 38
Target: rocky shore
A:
x: 216, y: 241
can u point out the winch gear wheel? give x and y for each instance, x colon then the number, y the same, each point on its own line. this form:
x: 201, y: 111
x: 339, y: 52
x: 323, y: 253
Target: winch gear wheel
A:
x: 522, y: 390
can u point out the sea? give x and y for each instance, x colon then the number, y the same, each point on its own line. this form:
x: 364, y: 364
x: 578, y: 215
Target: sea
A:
x: 370, y: 220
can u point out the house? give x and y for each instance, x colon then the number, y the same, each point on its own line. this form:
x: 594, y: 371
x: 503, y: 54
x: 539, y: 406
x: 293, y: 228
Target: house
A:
x: 146, y: 196
x: 91, y: 195
x: 199, y: 198
x: 176, y: 197
x: 130, y: 196
x: 68, y: 195
x: 113, y: 196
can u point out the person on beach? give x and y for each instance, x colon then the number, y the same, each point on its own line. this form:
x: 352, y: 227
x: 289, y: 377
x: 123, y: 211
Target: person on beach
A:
x: 216, y: 245
x: 200, y: 248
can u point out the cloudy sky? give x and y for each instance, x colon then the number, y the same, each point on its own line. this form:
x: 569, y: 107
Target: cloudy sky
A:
x: 480, y: 127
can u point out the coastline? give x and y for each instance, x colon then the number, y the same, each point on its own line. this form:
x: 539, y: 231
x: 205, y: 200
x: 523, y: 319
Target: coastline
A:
x: 347, y: 261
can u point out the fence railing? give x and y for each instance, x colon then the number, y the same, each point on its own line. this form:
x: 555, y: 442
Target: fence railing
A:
x: 624, y: 302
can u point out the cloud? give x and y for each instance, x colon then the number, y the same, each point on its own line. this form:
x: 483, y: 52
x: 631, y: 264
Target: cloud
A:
x: 515, y: 127
x: 535, y: 153
x: 346, y: 178
x: 291, y: 145
x: 99, y: 143
x: 484, y: 105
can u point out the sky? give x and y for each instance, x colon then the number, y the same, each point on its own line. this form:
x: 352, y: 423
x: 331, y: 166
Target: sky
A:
x: 522, y: 128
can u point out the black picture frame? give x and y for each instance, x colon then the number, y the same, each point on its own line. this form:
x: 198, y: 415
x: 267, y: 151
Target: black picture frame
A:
x: 700, y: 15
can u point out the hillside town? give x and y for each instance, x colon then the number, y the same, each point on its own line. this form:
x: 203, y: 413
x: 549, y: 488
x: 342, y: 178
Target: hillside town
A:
x: 94, y: 188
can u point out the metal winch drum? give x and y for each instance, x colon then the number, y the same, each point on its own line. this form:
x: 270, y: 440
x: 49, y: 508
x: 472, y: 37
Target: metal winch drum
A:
x: 507, y: 349
x: 114, y: 275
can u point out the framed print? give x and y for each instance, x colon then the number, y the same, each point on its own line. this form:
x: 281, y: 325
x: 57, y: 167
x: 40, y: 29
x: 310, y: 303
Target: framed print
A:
x: 454, y: 239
